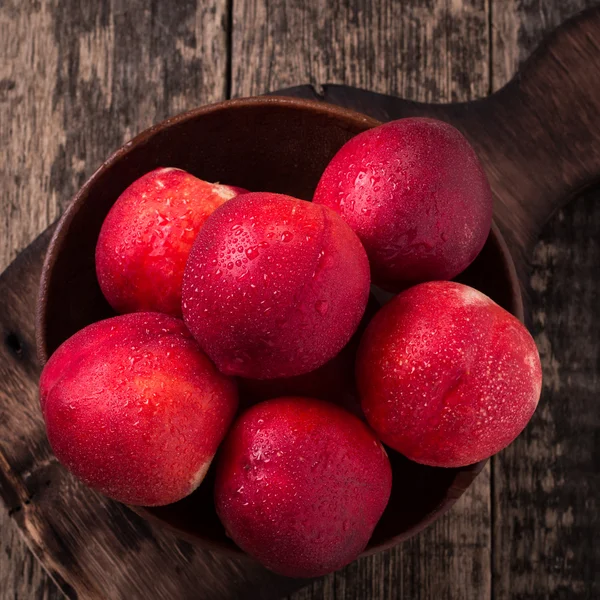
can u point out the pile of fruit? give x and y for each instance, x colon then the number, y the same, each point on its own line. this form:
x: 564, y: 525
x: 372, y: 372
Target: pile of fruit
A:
x: 227, y: 296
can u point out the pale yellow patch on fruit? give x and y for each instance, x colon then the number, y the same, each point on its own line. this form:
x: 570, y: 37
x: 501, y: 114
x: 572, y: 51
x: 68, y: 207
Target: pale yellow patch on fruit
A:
x: 471, y: 296
x: 198, y: 477
x: 224, y: 191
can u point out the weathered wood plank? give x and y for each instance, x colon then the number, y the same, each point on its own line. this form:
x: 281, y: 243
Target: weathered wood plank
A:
x: 22, y: 577
x: 31, y: 129
x: 426, y: 50
x: 545, y: 507
x: 76, y: 80
x: 421, y: 50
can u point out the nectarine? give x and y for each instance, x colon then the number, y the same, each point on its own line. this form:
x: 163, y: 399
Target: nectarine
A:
x: 274, y: 286
x: 146, y: 238
x: 415, y: 193
x: 446, y: 376
x: 135, y: 409
x: 301, y: 485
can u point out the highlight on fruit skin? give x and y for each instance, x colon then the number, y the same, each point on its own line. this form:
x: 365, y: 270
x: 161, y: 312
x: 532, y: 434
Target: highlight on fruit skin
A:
x: 446, y: 376
x: 135, y: 409
x: 274, y: 286
x: 300, y: 485
x: 147, y: 236
x: 417, y: 196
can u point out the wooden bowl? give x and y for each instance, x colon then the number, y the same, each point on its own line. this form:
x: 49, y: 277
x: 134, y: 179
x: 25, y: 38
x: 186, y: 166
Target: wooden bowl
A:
x: 268, y: 143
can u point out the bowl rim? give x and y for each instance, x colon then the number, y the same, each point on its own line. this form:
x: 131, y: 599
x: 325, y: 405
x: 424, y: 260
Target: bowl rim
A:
x: 316, y: 107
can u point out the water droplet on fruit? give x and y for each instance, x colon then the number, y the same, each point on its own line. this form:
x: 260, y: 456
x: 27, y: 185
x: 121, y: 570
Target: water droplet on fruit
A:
x: 252, y: 253
x: 286, y: 236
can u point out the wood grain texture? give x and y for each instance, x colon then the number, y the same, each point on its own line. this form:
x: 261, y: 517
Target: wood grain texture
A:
x: 114, y: 68
x: 545, y: 508
x: 427, y: 51
x: 22, y: 576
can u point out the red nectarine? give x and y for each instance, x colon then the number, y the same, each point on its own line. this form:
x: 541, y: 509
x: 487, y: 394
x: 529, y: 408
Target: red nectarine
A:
x: 415, y: 193
x: 146, y: 238
x: 446, y: 376
x: 135, y: 409
x: 301, y: 485
x: 274, y: 286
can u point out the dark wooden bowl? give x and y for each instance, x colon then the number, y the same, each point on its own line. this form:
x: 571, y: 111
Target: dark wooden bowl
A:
x: 268, y: 143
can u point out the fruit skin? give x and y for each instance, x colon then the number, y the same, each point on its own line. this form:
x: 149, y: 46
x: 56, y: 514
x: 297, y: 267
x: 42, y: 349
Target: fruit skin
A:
x: 301, y: 485
x: 333, y: 382
x: 446, y: 376
x: 146, y: 238
x: 135, y: 409
x: 274, y: 286
x: 415, y: 193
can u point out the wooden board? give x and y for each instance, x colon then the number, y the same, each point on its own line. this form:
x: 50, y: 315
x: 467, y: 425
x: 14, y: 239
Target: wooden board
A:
x: 423, y: 567
x: 546, y: 506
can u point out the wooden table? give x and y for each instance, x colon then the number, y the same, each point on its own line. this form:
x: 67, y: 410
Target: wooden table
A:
x: 78, y: 78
